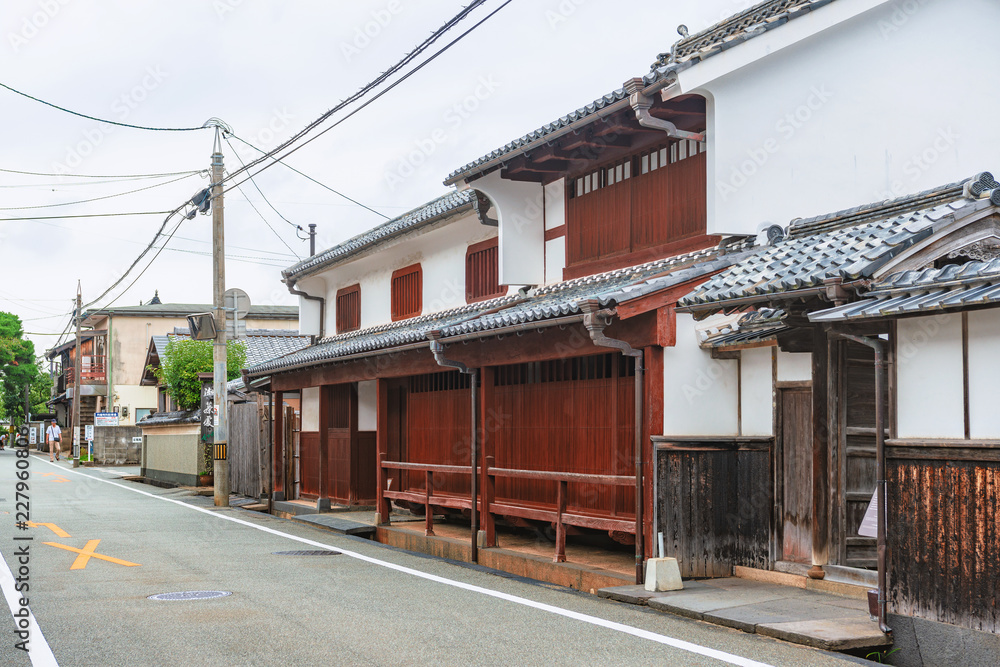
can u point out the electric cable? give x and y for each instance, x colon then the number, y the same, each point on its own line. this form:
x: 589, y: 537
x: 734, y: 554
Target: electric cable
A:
x: 364, y: 90
x: 87, y: 201
x: 102, y: 120
x: 322, y: 185
x: 266, y: 222
x: 378, y: 95
x: 231, y: 147
x: 88, y: 215
x: 118, y: 176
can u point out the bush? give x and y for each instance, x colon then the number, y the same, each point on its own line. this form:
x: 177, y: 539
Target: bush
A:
x: 184, y: 359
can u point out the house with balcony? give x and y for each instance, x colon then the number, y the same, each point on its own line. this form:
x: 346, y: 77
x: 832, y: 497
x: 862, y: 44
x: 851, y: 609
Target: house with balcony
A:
x: 691, y: 286
x: 113, y: 353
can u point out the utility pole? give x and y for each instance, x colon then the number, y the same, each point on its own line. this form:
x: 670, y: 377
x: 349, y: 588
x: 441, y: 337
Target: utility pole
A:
x: 77, y: 371
x: 220, y: 400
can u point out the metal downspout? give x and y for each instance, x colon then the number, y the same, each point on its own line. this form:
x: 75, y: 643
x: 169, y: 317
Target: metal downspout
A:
x: 596, y: 321
x: 878, y: 345
x: 322, y: 309
x: 437, y: 349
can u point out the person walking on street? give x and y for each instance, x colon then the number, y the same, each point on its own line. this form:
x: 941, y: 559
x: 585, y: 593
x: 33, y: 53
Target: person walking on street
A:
x: 53, y: 435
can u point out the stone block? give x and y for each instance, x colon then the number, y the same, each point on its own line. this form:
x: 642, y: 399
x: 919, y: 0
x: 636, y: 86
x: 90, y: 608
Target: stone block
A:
x: 663, y: 574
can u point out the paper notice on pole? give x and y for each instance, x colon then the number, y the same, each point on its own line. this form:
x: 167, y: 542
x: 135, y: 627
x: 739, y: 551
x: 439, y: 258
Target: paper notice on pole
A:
x: 869, y: 524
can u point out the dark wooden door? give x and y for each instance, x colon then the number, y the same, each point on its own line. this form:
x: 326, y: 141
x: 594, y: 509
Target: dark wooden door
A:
x: 796, y: 473
x: 857, y: 455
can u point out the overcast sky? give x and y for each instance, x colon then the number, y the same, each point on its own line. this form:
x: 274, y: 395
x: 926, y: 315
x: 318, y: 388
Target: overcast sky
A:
x: 268, y: 68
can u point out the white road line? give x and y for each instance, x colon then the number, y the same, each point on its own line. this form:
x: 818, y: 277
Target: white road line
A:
x: 559, y: 611
x: 38, y: 649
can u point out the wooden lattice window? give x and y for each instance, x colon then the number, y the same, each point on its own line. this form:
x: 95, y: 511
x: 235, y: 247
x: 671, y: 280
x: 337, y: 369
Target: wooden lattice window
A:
x: 407, y: 292
x: 482, y: 272
x: 349, y: 308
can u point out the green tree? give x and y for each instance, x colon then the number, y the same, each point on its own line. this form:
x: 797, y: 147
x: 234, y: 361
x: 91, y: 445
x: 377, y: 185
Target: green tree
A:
x: 17, y: 367
x: 184, y: 359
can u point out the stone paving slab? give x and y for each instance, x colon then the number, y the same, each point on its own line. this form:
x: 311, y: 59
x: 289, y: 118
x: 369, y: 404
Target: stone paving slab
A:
x: 793, y: 614
x: 836, y: 634
x: 784, y: 610
x: 337, y: 524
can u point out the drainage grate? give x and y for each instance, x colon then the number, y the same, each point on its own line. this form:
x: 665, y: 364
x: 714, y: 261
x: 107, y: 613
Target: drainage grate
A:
x: 322, y: 552
x: 190, y: 595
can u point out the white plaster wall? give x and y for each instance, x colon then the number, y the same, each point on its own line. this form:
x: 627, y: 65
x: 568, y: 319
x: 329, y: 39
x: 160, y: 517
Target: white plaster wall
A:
x: 441, y: 253
x: 133, y: 396
x: 310, y: 409
x: 699, y: 393
x: 309, y: 309
x: 756, y: 392
x: 367, y: 405
x: 555, y: 260
x: 984, y: 370
x: 555, y: 204
x: 794, y: 366
x: 930, y: 390
x: 828, y: 121
x: 520, y: 210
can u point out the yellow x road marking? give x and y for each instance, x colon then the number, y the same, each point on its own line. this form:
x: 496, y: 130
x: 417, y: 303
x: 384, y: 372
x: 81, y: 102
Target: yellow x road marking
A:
x: 87, y: 553
x: 59, y: 478
x: 51, y: 526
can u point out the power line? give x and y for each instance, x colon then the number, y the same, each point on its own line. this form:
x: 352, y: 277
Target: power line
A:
x: 266, y: 222
x: 322, y: 185
x: 364, y: 89
x: 403, y: 78
x: 102, y: 120
x: 119, y: 176
x: 87, y: 201
x: 297, y: 227
x: 89, y: 215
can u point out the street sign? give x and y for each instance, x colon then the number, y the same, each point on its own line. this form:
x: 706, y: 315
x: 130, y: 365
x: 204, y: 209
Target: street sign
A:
x: 33, y: 436
x: 88, y: 432
x: 237, y: 304
x: 105, y: 419
x: 136, y: 439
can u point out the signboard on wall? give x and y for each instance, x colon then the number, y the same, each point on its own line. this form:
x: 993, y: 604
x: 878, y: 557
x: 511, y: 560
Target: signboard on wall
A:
x: 105, y: 419
x: 33, y: 436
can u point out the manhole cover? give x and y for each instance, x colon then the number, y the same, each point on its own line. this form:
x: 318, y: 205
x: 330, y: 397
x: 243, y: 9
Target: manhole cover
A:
x: 322, y: 552
x: 190, y: 595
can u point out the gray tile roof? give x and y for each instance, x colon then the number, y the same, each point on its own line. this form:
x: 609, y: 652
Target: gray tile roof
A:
x: 854, y: 244
x: 184, y: 309
x: 690, y: 50
x: 954, y: 286
x: 757, y: 326
x: 442, y: 207
x: 259, y: 348
x: 548, y: 302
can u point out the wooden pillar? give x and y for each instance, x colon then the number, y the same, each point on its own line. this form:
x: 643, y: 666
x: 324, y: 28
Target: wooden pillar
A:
x: 489, y: 425
x: 652, y: 425
x: 323, y: 501
x: 821, y: 454
x: 353, y: 470
x: 278, y: 444
x: 381, y: 448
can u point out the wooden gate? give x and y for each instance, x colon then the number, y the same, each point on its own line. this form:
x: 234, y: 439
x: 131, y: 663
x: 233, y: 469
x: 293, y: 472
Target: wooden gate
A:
x: 247, y: 449
x: 795, y: 473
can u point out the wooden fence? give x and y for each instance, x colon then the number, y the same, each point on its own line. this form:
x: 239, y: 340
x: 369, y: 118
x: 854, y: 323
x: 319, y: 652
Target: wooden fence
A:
x: 248, y: 448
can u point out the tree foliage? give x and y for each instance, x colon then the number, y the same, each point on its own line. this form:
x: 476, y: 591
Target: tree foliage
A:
x: 184, y: 359
x: 18, y: 369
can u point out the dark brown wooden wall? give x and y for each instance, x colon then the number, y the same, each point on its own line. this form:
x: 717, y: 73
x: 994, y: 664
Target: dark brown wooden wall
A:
x: 309, y: 463
x: 572, y: 415
x: 714, y: 503
x: 438, y: 428
x: 644, y: 211
x: 943, y: 528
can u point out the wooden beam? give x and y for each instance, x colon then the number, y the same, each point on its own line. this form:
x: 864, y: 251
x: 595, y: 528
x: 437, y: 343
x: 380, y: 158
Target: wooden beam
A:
x: 592, y: 142
x: 524, y: 175
x: 381, y: 447
x: 652, y: 425
x: 323, y: 501
x: 545, y: 167
x: 821, y: 453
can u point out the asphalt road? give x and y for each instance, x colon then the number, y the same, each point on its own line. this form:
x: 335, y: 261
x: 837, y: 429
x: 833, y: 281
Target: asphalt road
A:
x: 369, y: 605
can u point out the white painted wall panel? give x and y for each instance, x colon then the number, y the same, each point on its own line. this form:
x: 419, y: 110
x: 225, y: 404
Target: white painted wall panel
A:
x: 520, y: 210
x: 769, y: 118
x: 930, y: 391
x: 794, y: 366
x: 757, y: 392
x: 555, y: 204
x: 310, y: 409
x: 984, y: 372
x: 367, y: 405
x: 699, y: 393
x: 555, y: 260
